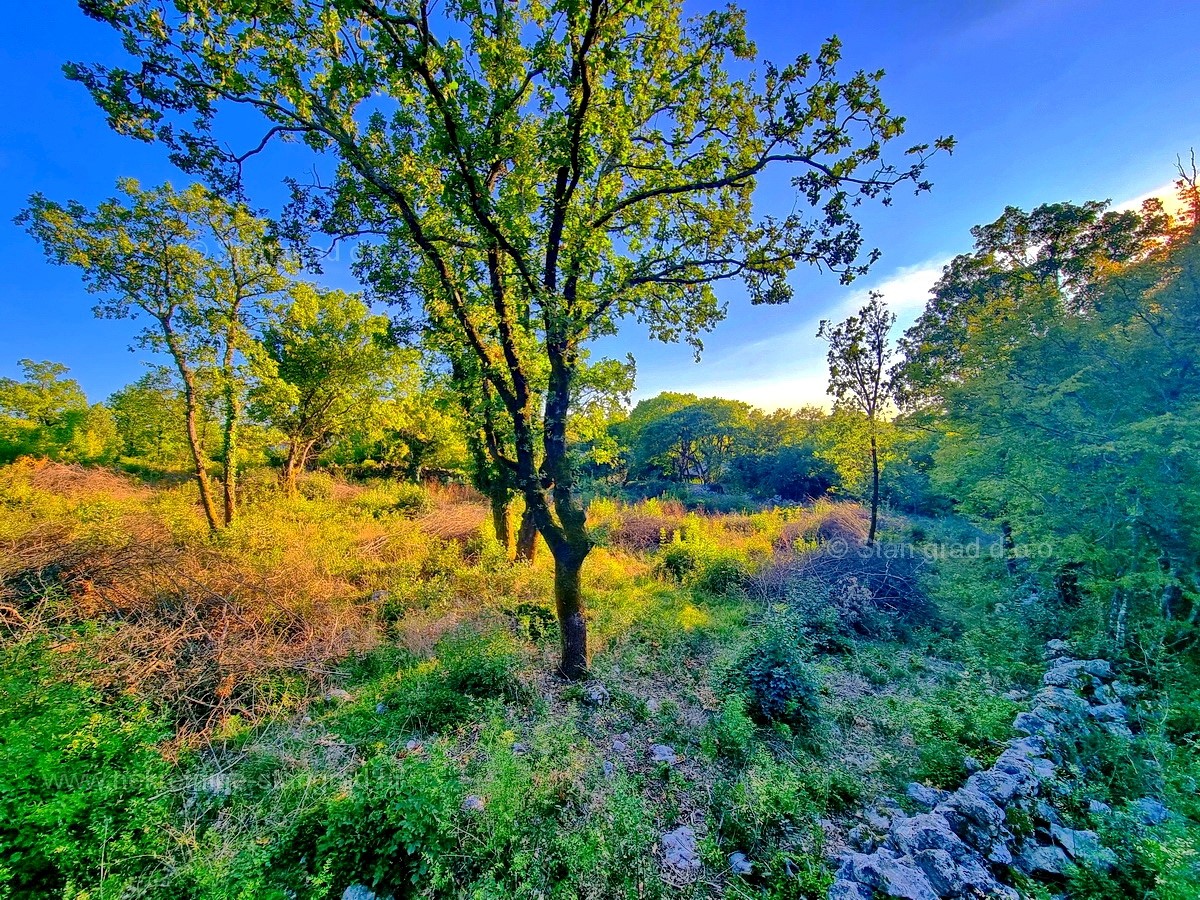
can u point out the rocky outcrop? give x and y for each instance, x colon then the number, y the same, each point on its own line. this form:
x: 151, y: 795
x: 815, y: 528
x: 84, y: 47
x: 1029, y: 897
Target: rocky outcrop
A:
x: 969, y: 842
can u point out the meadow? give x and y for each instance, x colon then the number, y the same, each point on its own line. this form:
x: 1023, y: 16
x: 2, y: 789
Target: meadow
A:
x: 354, y: 686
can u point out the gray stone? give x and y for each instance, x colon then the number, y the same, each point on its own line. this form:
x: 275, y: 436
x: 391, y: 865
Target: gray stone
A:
x: 473, y: 803
x: 413, y: 746
x: 1117, y: 730
x: 850, y: 890
x: 664, y: 754
x: 338, y: 694
x: 619, y: 745
x: 362, y: 892
x: 927, y: 797
x: 1056, y: 648
x: 997, y: 785
x: 380, y: 708
x: 1037, y: 860
x: 877, y: 820
x: 519, y: 749
x: 679, y: 851
x: 1034, y: 725
x: 739, y: 864
x: 1109, y: 712
x: 1098, y: 808
x: 890, y: 875
x: 596, y: 694
x: 861, y: 839
x: 610, y: 771
x: 1015, y: 695
x: 972, y: 765
x: 1047, y: 813
x: 1084, y: 847
x: 941, y: 871
x: 1149, y: 811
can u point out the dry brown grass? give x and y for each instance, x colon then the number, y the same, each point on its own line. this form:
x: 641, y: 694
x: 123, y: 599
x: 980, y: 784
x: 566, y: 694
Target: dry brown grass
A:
x: 75, y: 481
x: 825, y: 522
x: 455, y: 521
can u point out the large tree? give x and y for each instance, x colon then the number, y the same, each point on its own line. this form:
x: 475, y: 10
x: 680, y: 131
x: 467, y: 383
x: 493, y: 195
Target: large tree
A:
x: 198, y: 267
x: 47, y: 414
x: 325, y: 365
x: 531, y: 171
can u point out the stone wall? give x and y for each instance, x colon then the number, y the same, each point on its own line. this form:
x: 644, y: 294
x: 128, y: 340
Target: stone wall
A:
x: 970, y: 842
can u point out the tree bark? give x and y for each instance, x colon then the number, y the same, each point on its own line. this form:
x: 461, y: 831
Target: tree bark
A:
x: 501, y: 521
x: 527, y: 536
x: 1010, y: 548
x: 230, y: 430
x: 289, y: 470
x: 874, y: 490
x: 191, y: 406
x: 568, y: 603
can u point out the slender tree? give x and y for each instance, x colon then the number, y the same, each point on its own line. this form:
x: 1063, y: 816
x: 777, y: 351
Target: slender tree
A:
x: 531, y: 172
x: 860, y: 363
x: 195, y: 265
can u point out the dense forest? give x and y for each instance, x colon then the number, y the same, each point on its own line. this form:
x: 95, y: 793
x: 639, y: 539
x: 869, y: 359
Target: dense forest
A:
x: 396, y: 592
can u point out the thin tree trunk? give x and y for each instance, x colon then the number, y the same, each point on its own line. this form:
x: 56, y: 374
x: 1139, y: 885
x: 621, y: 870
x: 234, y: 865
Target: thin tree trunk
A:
x: 289, y: 469
x: 191, y: 407
x: 527, y: 536
x: 1010, y: 548
x: 874, y: 490
x: 230, y: 431
x: 501, y: 520
x: 193, y: 434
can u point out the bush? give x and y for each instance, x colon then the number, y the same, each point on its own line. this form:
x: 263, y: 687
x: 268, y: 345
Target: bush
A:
x: 780, y: 684
x: 317, y: 486
x: 872, y: 592
x: 957, y: 722
x: 388, y: 832
x: 693, y: 560
x: 731, y: 729
x: 483, y: 665
x: 400, y: 498
x: 82, y: 784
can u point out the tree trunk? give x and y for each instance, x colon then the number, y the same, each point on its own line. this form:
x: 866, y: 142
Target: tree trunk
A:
x: 501, y: 519
x: 568, y: 603
x: 230, y: 433
x: 874, y: 490
x: 193, y: 435
x: 289, y: 469
x: 1010, y: 548
x: 527, y: 536
x: 191, y: 406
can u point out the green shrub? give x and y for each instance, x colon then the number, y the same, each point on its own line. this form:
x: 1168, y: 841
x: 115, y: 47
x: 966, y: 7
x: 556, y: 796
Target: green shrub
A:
x: 776, y: 677
x: 731, y: 730
x: 385, y: 498
x: 83, y: 798
x: 691, y: 559
x: 956, y: 722
x: 482, y: 664
x: 316, y: 486
x: 389, y: 832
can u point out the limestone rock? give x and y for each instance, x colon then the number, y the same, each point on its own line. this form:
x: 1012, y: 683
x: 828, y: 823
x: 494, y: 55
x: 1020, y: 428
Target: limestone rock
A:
x: 664, y: 754
x: 926, y: 797
x: 679, y: 851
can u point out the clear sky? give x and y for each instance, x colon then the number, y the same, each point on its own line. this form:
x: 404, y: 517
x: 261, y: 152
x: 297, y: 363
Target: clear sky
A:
x: 1049, y: 99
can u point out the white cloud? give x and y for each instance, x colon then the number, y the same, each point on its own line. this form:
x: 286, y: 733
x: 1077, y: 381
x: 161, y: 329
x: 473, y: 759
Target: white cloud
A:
x: 788, y: 369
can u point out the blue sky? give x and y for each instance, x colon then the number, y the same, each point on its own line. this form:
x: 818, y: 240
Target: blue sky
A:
x: 1049, y: 99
